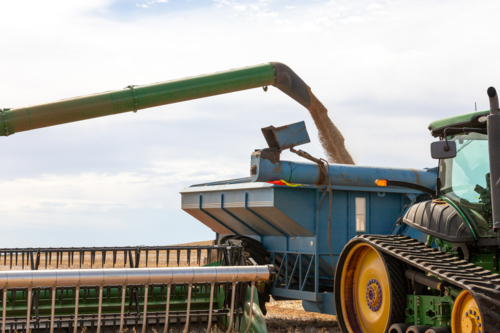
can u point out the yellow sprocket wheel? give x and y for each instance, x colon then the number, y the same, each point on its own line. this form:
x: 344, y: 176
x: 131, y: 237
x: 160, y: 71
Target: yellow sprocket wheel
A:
x: 370, y: 289
x: 466, y: 317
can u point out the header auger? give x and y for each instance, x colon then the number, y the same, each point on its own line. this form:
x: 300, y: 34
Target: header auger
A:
x: 385, y: 249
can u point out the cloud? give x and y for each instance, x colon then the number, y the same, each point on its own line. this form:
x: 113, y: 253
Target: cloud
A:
x: 221, y: 3
x: 256, y: 8
x: 152, y: 2
x: 129, y: 186
x: 240, y: 7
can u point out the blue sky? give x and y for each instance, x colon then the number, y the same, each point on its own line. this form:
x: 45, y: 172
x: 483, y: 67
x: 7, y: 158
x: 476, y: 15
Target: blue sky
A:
x: 127, y: 9
x: 384, y: 69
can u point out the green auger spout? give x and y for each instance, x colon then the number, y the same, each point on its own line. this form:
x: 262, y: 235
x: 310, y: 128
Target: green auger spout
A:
x: 133, y: 98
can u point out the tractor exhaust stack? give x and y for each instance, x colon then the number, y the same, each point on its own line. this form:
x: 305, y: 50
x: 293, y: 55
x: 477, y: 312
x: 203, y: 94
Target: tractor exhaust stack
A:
x: 494, y: 152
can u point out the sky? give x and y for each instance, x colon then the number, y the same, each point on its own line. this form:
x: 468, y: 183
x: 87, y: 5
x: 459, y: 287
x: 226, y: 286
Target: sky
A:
x: 384, y: 69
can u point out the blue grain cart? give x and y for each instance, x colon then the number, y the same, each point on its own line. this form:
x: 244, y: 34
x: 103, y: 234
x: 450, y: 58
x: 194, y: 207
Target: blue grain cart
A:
x: 299, y: 215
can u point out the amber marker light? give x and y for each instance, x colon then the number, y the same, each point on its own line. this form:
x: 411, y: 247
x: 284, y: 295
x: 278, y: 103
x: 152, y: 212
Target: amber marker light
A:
x: 381, y: 182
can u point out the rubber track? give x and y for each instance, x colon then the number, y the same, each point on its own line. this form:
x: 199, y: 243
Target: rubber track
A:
x: 482, y: 284
x: 398, y: 288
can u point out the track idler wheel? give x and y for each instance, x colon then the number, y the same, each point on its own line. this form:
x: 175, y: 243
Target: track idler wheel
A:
x: 417, y: 329
x: 370, y: 289
x: 466, y: 317
x: 438, y: 330
x: 398, y: 328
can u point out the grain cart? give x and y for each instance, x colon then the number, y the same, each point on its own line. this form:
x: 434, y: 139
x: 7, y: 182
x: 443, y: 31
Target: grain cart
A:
x: 298, y: 216
x: 450, y: 283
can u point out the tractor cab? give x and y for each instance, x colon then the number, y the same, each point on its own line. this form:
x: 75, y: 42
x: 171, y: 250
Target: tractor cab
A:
x: 460, y: 210
x: 464, y: 168
x: 460, y: 217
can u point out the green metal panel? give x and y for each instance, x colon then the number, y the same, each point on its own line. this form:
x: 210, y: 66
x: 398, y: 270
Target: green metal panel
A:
x: 485, y: 260
x: 456, y: 120
x: 258, y: 324
x: 134, y: 98
x: 88, y: 300
x: 433, y: 311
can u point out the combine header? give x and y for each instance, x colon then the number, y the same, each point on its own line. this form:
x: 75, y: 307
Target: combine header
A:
x: 149, y: 292
x: 386, y: 249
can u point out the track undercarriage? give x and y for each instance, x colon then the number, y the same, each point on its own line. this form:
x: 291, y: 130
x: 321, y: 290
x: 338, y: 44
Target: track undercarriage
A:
x: 464, y: 297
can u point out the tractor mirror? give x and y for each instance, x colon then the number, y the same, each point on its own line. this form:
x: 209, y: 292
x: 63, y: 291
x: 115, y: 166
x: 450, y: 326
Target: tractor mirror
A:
x: 443, y: 149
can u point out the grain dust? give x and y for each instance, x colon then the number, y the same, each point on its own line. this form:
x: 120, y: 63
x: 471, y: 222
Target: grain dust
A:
x: 329, y: 135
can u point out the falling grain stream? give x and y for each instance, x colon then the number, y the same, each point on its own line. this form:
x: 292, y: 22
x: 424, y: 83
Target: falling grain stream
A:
x: 329, y: 135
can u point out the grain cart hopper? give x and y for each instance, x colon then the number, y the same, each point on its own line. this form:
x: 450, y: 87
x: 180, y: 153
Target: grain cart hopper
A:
x: 450, y: 283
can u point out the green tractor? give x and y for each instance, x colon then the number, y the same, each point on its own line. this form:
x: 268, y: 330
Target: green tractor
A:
x: 396, y: 284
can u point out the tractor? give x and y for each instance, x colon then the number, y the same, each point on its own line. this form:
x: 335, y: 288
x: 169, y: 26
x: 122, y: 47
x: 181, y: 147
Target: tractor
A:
x: 450, y: 282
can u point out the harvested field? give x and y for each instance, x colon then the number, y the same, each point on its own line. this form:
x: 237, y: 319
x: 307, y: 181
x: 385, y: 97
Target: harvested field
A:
x: 120, y: 262
x: 173, y: 259
x: 290, y: 317
x: 196, y: 243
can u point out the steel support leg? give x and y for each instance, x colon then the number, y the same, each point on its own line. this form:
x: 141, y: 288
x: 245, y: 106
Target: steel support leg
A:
x: 231, y: 314
x: 77, y: 299
x: 168, y: 309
